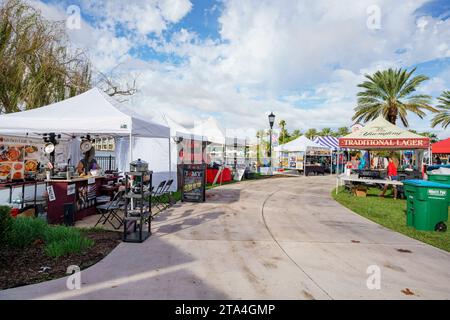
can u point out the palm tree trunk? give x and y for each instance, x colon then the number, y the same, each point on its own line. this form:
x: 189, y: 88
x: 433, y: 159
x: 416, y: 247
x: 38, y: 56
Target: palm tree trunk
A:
x: 392, y: 114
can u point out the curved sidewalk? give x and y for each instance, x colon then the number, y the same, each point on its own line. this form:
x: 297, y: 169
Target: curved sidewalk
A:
x: 280, y: 238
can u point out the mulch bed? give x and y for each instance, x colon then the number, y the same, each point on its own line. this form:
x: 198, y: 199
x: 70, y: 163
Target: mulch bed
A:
x: 24, y: 267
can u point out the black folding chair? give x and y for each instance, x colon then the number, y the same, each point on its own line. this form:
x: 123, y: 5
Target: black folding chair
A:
x: 109, y: 211
x: 157, y: 195
x: 165, y: 193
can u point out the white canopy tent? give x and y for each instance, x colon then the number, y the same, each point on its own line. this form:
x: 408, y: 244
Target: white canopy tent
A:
x: 300, y: 144
x: 94, y: 113
x: 210, y: 129
x: 380, y: 134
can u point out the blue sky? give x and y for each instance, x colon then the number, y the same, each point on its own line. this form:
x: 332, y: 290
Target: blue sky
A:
x: 240, y: 60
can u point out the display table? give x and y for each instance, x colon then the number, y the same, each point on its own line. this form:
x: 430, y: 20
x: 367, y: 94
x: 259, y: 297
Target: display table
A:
x: 81, y: 192
x: 22, y: 185
x: 316, y: 169
x: 225, y: 175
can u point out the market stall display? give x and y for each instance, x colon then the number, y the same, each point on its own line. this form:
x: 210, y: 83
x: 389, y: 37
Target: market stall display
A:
x: 381, y: 135
x: 332, y: 143
x: 301, y: 153
x: 89, y: 114
x: 137, y: 219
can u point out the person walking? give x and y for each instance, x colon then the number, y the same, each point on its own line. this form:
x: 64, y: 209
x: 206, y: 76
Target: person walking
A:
x: 392, y: 175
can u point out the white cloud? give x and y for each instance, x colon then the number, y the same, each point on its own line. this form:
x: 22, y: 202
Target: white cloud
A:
x: 301, y: 59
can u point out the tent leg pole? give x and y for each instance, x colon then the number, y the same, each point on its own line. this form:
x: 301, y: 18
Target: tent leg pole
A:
x: 131, y: 159
x: 430, y: 158
x: 131, y: 147
x: 170, y: 160
x: 337, y: 172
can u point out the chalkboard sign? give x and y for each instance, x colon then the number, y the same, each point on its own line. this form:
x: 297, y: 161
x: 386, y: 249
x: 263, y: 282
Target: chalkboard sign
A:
x: 193, y: 188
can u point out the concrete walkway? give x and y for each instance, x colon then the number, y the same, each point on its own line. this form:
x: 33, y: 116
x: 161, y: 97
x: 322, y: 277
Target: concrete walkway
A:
x: 281, y: 238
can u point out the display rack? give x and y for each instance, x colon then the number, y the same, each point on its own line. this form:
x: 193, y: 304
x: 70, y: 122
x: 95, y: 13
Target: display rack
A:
x: 138, y: 207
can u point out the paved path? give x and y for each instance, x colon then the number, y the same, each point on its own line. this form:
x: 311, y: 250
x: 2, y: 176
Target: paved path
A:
x: 281, y: 238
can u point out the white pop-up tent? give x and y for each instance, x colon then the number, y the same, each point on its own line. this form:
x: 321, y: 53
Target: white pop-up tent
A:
x: 94, y: 113
x: 300, y: 147
x: 300, y: 144
x: 210, y: 129
x: 380, y: 134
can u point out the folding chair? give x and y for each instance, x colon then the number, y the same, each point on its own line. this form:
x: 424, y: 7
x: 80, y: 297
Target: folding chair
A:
x: 156, y: 195
x: 109, y: 211
x: 165, y: 193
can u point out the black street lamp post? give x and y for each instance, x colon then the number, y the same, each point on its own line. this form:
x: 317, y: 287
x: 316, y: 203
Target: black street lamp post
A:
x: 271, y: 122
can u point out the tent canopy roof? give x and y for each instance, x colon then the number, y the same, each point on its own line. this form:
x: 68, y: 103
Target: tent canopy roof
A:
x: 300, y: 144
x: 92, y: 112
x: 328, y: 141
x: 210, y: 129
x: 381, y: 134
x: 441, y: 146
x: 177, y: 130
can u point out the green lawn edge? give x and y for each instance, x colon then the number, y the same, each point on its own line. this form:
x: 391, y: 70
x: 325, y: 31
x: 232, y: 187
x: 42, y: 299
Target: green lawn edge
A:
x: 391, y: 214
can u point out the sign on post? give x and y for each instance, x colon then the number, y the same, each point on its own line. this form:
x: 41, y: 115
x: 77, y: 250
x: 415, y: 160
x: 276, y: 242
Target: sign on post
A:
x: 193, y: 187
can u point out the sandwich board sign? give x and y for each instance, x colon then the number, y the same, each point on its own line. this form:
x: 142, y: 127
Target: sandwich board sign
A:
x: 193, y: 186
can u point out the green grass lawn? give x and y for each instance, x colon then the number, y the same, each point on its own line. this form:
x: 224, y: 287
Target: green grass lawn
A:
x: 391, y: 214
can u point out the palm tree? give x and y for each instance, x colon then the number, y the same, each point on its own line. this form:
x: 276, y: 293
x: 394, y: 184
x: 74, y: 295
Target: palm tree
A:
x: 311, y: 133
x: 284, y: 133
x: 433, y: 136
x: 296, y: 133
x: 443, y: 117
x: 390, y: 93
x: 343, y: 131
x: 326, y: 132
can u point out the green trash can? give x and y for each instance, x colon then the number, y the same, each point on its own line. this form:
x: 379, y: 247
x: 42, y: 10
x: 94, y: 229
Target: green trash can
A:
x: 427, y: 204
x: 440, y: 178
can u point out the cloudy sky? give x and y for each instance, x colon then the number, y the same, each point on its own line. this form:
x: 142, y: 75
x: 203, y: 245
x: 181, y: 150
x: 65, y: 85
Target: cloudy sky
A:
x: 237, y: 60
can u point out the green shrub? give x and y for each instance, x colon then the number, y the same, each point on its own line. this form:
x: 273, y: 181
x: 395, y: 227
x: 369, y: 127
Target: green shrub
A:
x: 59, y: 240
x: 5, y: 223
x: 72, y: 244
x: 24, y: 231
x: 60, y: 233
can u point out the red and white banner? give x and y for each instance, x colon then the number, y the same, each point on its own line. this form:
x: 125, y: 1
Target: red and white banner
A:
x: 357, y: 143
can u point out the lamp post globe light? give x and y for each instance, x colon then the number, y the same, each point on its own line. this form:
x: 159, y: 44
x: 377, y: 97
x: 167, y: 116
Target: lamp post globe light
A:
x: 271, y: 122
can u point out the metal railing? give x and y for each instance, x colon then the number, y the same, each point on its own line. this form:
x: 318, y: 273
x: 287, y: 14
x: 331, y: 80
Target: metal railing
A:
x: 107, y: 163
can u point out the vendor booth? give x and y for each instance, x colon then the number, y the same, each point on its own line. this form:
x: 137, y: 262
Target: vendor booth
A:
x: 332, y: 143
x: 224, y: 156
x: 303, y: 155
x: 441, y: 151
x: 187, y: 148
x: 381, y: 136
x: 65, y: 130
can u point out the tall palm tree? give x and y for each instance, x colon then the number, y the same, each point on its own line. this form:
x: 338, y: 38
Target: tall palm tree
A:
x: 443, y: 117
x: 433, y: 136
x: 326, y: 132
x: 343, y: 131
x: 311, y: 133
x: 296, y: 133
x: 390, y: 93
x: 282, y: 125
